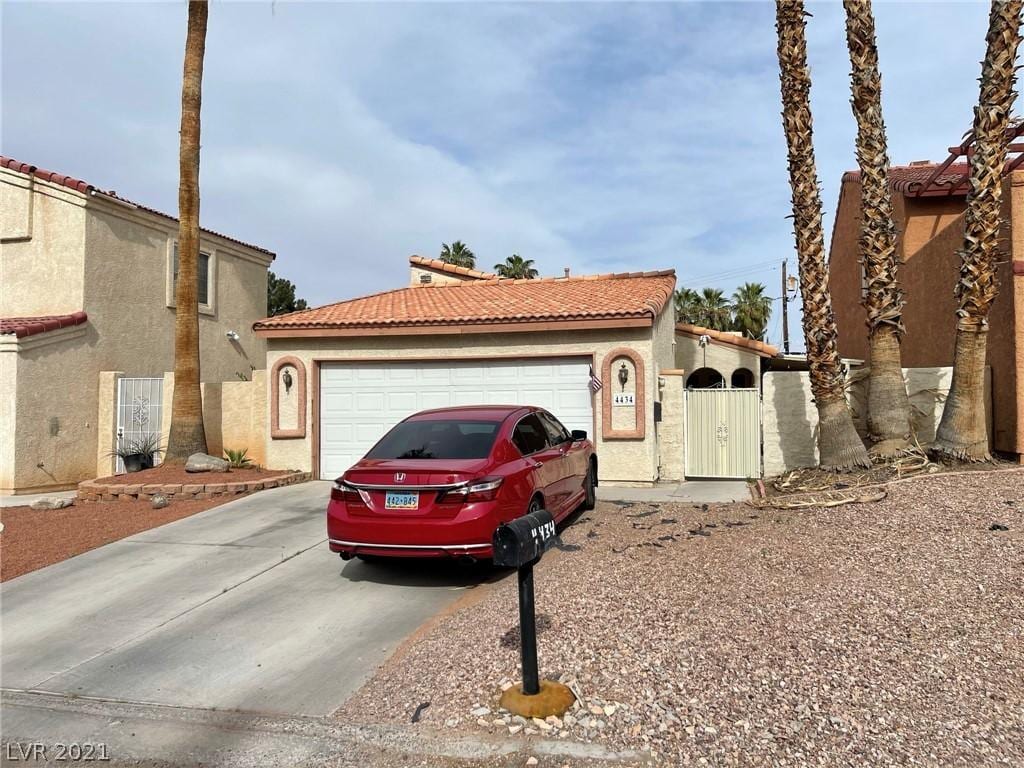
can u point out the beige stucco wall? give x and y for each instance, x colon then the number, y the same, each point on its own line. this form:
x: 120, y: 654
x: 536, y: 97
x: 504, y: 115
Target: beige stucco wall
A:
x: 791, y: 419
x: 631, y: 461
x: 42, y: 265
x: 672, y: 429
x: 56, y: 380
x: 8, y: 410
x: 113, y: 261
x: 437, y: 276
x: 724, y: 358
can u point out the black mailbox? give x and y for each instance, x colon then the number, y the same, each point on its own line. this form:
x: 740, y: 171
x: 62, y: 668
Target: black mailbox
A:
x: 523, y: 540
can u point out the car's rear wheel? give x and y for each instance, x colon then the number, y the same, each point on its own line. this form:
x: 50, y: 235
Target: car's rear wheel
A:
x: 536, y: 505
x: 589, y: 489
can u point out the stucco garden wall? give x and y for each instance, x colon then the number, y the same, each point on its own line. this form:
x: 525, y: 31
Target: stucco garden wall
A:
x: 791, y: 418
x: 622, y: 461
x: 54, y: 395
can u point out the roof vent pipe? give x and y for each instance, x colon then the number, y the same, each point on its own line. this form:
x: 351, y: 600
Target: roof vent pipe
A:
x: 566, y: 271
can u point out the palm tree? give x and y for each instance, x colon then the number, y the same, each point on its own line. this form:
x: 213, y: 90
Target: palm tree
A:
x: 713, y: 310
x: 187, y: 434
x: 889, y: 419
x: 516, y: 266
x: 751, y: 309
x: 458, y: 254
x: 962, y: 432
x: 839, y: 446
x: 687, y: 302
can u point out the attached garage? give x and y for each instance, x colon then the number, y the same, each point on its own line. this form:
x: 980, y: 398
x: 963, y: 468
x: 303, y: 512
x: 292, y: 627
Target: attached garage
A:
x: 361, y: 401
x: 596, y: 351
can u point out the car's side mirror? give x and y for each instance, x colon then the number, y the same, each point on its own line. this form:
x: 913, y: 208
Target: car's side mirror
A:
x: 579, y: 434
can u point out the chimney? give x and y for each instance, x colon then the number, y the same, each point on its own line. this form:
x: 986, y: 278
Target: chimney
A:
x: 566, y: 271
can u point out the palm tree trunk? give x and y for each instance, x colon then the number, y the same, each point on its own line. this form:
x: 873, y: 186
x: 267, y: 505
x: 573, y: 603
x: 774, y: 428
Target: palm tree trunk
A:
x: 889, y: 419
x: 839, y: 445
x: 962, y: 432
x: 187, y: 434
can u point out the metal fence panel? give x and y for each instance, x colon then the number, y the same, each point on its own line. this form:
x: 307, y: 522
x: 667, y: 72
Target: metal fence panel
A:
x: 723, y: 433
x: 139, y: 412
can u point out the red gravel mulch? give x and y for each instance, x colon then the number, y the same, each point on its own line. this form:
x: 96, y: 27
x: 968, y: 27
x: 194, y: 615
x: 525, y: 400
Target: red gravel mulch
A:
x: 34, y: 538
x: 171, y: 475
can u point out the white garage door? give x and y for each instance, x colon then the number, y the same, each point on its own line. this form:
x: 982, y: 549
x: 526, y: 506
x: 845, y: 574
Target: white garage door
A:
x: 359, y: 402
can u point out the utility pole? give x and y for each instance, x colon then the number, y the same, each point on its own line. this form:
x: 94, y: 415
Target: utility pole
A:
x: 785, y: 309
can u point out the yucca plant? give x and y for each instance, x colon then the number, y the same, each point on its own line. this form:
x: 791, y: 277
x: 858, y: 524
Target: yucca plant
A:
x: 237, y: 457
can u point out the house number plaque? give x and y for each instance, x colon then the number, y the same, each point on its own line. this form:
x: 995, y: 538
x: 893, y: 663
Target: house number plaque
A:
x: 624, y: 398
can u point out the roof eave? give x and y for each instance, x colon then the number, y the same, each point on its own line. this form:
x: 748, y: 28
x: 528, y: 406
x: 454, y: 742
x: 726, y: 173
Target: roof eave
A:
x: 420, y: 329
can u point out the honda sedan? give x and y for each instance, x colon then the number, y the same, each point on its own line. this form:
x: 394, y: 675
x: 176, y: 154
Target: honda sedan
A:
x: 441, y: 481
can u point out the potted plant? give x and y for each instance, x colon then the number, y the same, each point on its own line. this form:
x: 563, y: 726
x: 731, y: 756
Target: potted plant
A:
x: 139, y: 453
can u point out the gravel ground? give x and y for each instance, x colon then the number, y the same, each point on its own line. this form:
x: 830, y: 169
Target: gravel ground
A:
x: 880, y: 634
x: 34, y: 538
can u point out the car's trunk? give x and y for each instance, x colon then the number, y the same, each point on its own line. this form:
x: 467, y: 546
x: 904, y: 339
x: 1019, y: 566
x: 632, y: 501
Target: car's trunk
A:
x: 410, y: 487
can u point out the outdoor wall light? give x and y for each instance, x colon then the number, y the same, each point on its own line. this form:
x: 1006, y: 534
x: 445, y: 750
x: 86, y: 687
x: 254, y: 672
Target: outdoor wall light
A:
x: 623, y: 376
x: 286, y: 377
x: 233, y: 335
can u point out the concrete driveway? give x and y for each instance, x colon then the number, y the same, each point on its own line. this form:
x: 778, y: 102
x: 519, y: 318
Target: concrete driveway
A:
x: 241, y: 607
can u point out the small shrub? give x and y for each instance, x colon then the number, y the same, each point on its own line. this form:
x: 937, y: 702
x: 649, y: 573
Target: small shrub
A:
x: 237, y: 458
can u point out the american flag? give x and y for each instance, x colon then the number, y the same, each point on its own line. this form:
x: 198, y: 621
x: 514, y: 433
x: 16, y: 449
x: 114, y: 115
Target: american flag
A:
x: 595, y: 383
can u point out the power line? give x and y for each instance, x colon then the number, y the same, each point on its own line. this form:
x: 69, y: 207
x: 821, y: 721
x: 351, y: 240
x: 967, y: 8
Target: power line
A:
x: 762, y: 267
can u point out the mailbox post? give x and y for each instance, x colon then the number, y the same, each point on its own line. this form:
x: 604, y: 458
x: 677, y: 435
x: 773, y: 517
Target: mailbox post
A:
x: 520, y: 544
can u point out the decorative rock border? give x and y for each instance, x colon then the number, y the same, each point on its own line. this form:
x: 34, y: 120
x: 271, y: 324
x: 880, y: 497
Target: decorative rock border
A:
x: 90, y: 490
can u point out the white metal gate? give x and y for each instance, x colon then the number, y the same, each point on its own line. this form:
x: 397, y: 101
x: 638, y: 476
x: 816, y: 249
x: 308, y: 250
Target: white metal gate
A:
x: 139, y: 411
x: 723, y: 433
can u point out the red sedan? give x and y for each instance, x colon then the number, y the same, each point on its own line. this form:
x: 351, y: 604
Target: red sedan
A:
x: 441, y: 481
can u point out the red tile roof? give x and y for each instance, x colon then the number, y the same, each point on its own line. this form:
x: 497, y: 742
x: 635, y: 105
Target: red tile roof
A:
x: 88, y: 189
x: 732, y: 339
x: 482, y: 302
x: 452, y: 269
x: 30, y: 326
x: 908, y: 179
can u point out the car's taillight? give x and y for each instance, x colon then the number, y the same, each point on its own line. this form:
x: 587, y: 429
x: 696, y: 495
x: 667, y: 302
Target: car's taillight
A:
x: 484, y: 489
x: 342, y: 491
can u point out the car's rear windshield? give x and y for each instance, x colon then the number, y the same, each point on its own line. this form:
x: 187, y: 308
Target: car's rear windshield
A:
x: 437, y: 439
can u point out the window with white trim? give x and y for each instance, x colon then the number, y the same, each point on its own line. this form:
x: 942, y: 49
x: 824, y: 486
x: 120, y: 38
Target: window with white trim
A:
x: 204, y: 277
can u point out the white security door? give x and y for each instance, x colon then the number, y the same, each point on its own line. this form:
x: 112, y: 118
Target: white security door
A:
x: 139, y: 412
x: 723, y: 433
x: 359, y: 402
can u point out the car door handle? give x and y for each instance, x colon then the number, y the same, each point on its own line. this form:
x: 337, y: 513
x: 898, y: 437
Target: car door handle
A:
x: 538, y: 464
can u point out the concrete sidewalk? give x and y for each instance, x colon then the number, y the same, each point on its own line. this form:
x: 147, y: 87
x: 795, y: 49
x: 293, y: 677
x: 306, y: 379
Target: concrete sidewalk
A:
x: 10, y: 500
x: 692, y: 491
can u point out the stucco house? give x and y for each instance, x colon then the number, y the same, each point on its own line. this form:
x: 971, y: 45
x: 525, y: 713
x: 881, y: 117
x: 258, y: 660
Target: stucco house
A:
x: 88, y: 290
x: 929, y: 212
x: 602, y: 352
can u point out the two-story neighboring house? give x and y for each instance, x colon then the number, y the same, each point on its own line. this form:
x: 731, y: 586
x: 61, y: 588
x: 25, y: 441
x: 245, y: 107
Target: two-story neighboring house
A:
x: 87, y: 286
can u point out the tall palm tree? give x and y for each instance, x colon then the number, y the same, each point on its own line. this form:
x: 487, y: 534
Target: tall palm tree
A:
x: 889, y: 419
x: 839, y: 446
x: 751, y: 310
x: 187, y: 435
x: 687, y: 302
x: 516, y: 266
x: 713, y: 310
x: 962, y: 432
x: 458, y: 254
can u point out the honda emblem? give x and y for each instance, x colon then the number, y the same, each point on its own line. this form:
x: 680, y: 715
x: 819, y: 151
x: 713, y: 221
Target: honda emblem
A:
x: 399, y: 477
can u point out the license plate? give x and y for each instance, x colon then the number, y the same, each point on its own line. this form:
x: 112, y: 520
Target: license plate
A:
x: 395, y: 500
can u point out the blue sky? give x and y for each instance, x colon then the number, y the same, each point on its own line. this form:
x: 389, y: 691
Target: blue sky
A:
x: 600, y: 137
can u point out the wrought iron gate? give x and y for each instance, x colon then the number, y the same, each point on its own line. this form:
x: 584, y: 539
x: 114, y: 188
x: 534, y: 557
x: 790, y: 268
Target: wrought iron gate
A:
x: 723, y: 433
x: 139, y: 411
